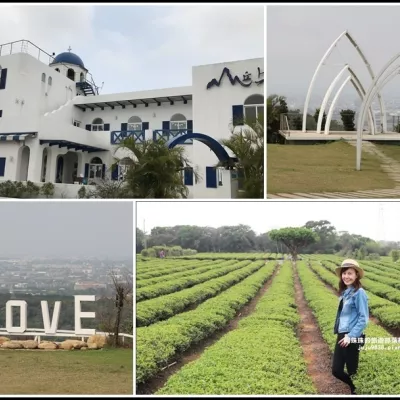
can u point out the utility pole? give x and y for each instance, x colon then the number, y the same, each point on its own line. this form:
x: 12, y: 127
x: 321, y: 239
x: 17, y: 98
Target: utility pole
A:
x: 381, y: 224
x: 145, y: 234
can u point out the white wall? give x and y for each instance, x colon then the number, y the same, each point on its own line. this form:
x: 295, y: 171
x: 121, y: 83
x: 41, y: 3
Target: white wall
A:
x: 24, y: 99
x: 51, y: 110
x: 9, y: 150
x: 152, y: 114
x: 212, y: 114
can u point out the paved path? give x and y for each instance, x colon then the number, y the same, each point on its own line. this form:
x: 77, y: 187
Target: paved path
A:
x: 362, y: 194
x: 389, y: 165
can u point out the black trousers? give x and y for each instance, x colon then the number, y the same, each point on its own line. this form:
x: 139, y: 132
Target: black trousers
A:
x: 348, y: 356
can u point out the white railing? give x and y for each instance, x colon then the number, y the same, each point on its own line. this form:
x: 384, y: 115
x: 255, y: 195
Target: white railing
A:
x: 38, y: 333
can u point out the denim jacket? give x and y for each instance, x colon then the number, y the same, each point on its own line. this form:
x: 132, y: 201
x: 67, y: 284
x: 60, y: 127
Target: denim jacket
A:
x: 354, y: 315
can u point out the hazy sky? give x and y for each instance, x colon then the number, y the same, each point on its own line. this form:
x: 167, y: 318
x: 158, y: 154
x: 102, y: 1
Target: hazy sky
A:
x: 356, y: 217
x: 298, y: 37
x: 84, y: 228
x: 140, y: 47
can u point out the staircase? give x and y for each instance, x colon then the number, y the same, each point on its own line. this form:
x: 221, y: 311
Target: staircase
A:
x: 86, y: 88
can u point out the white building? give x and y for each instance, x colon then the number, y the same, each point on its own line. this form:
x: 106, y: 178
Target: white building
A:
x: 55, y: 127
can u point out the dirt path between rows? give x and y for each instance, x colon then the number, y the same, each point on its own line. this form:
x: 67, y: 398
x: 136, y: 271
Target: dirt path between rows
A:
x: 316, y: 352
x: 195, y: 352
x: 395, y: 332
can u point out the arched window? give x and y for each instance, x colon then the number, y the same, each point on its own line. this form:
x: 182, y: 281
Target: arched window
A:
x: 50, y: 81
x: 71, y: 74
x: 82, y: 77
x: 98, y: 125
x: 96, y: 168
x: 58, y: 69
x: 134, y: 124
x: 254, y: 108
x: 178, y: 121
x: 44, y: 77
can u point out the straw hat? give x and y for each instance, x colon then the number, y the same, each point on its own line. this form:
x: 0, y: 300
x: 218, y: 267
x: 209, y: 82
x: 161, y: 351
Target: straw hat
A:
x: 352, y: 264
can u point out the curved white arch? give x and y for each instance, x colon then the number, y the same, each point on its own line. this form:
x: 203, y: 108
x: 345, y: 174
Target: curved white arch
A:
x: 368, y: 100
x: 325, y: 56
x: 327, y: 95
x: 371, y: 73
x: 330, y: 113
x: 364, y: 59
x: 361, y: 92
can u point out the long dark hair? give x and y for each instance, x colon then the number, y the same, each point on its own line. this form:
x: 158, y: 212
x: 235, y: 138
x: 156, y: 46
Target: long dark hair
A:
x: 356, y: 284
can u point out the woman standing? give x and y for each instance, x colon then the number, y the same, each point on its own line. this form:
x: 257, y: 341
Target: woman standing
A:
x: 351, y: 320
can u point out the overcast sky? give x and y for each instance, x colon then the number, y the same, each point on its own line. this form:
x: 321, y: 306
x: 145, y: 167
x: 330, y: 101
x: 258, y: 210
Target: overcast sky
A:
x: 355, y: 217
x: 298, y: 37
x: 140, y: 47
x: 85, y: 228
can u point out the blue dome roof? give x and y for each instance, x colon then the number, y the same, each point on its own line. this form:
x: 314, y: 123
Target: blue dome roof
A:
x: 68, y: 58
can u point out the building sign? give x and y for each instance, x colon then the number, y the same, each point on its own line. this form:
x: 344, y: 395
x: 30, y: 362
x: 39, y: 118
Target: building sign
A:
x: 246, y: 81
x: 49, y: 327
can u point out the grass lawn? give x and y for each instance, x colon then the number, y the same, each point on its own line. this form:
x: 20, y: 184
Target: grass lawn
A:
x: 106, y: 371
x: 322, y: 168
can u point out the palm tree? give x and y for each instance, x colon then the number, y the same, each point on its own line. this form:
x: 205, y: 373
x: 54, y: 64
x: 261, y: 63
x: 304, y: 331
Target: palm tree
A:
x: 156, y: 171
x: 247, y: 143
x: 276, y: 105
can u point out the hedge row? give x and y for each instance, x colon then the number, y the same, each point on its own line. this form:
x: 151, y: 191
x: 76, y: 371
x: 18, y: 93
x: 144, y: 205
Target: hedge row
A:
x: 174, y: 251
x: 150, y: 311
x: 261, y: 356
x: 379, y: 370
x: 159, y: 344
x: 177, y: 284
x: 145, y: 265
x: 171, y: 268
x: 230, y: 256
x: 190, y: 270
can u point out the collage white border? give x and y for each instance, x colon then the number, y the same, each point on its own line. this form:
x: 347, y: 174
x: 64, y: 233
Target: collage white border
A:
x: 134, y: 202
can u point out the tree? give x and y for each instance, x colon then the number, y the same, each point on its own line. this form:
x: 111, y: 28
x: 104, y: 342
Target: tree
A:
x: 316, y: 116
x: 326, y: 237
x: 140, y: 239
x: 294, y: 238
x: 295, y: 120
x: 123, y: 288
x: 156, y: 170
x: 347, y: 117
x: 107, y: 189
x: 276, y: 105
x: 247, y: 144
x: 395, y: 254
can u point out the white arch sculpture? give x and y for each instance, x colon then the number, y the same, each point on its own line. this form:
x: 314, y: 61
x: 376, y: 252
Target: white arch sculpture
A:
x: 372, y: 91
x: 330, y: 113
x: 327, y: 95
x: 323, y: 59
x: 361, y: 92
